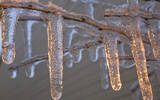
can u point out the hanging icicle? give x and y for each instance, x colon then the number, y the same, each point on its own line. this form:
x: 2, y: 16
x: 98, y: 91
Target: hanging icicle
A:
x: 32, y: 69
x: 68, y: 58
x: 9, y: 20
x: 138, y: 53
x: 104, y: 74
x: 110, y: 46
x: 154, y: 40
x: 55, y: 54
x: 77, y: 55
x: 14, y: 74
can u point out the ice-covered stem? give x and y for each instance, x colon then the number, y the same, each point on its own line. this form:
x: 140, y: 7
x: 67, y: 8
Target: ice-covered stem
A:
x: 112, y: 58
x: 55, y: 55
x: 9, y: 19
x: 138, y: 53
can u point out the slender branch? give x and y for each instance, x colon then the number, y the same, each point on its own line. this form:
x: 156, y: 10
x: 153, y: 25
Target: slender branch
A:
x: 51, y: 8
x: 126, y: 12
x: 45, y: 57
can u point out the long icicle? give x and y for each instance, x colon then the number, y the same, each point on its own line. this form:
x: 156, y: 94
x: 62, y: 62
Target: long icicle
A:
x: 138, y: 53
x: 110, y: 46
x: 9, y: 20
x: 55, y: 54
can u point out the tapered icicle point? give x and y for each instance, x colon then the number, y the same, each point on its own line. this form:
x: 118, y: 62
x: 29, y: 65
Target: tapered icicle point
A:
x: 138, y: 53
x: 110, y: 46
x: 154, y: 40
x: 55, y: 54
x: 9, y: 20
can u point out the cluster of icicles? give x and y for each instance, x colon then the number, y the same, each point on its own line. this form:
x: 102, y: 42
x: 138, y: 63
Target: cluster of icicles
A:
x: 9, y: 19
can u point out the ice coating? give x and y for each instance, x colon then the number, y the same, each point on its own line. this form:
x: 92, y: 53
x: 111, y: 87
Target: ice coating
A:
x: 55, y: 55
x: 138, y: 53
x: 8, y: 26
x: 110, y: 46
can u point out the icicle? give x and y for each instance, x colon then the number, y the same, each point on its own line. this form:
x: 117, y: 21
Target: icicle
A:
x: 101, y: 51
x: 8, y: 24
x: 55, y: 54
x: 122, y: 52
x: 32, y: 69
x: 91, y: 9
x: 14, y: 74
x: 110, y: 46
x: 104, y: 74
x: 68, y: 58
x: 29, y: 37
x: 94, y: 53
x: 154, y: 40
x: 77, y: 55
x: 138, y: 53
x: 71, y: 37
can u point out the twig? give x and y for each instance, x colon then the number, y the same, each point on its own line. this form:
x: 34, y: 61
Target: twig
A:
x: 65, y: 14
x: 45, y: 57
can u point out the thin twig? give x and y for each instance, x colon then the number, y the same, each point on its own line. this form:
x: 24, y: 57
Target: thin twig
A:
x: 45, y: 57
x: 65, y: 14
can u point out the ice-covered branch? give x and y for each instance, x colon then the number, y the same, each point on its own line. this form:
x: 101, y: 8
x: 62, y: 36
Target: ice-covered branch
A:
x: 45, y: 57
x: 54, y: 9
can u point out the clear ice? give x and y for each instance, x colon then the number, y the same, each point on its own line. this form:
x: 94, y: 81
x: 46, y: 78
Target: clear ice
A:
x: 9, y: 20
x: 138, y: 53
x: 112, y: 58
x: 55, y: 54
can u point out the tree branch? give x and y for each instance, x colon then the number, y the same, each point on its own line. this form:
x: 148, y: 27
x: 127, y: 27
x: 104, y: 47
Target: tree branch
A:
x: 54, y: 9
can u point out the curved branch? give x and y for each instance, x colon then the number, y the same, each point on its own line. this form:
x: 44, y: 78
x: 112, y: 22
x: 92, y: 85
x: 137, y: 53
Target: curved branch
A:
x: 45, y: 57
